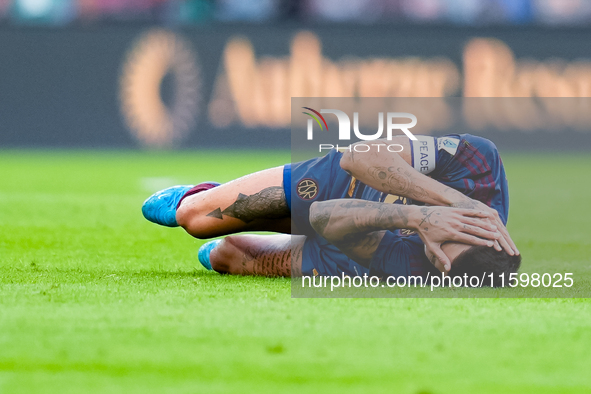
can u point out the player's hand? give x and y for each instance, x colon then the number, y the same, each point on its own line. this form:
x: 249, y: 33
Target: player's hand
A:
x: 437, y: 225
x: 481, y: 210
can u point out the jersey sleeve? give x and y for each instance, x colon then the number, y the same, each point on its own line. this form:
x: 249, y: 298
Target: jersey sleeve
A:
x: 472, y: 165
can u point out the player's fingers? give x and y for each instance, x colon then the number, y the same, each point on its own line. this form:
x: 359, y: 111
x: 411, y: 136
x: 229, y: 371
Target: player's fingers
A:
x: 497, y: 247
x: 472, y: 240
x: 479, y: 232
x: 506, y: 241
x: 442, y: 262
x: 511, y: 244
x: 482, y: 223
x: 506, y: 246
x: 475, y: 213
x: 439, y: 260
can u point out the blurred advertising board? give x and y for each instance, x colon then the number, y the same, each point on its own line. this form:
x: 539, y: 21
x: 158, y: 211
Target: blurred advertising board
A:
x: 231, y: 85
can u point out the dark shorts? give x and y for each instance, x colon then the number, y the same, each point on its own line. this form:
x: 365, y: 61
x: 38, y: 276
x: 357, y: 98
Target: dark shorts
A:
x: 321, y: 258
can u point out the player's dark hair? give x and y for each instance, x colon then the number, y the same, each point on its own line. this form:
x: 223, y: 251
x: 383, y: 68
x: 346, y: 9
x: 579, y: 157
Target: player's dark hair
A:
x: 479, y: 260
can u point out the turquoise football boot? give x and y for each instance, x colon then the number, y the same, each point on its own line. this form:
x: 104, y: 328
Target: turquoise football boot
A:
x: 160, y: 207
x: 204, y: 252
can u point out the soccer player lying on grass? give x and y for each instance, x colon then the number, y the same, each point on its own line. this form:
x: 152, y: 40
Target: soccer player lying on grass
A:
x: 358, y: 237
x: 263, y: 201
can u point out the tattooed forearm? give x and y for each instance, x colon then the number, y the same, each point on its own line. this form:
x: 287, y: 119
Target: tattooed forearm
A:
x: 269, y: 203
x: 399, y: 181
x: 356, y: 226
x: 334, y: 219
x: 393, y: 174
x: 390, y: 216
x: 320, y: 216
x: 468, y: 204
x: 419, y: 193
x: 459, y: 200
x: 396, y: 180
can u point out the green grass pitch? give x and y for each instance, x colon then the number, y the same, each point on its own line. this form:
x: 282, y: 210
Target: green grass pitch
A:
x: 93, y: 298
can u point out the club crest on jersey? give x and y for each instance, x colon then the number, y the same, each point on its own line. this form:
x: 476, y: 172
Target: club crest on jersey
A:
x: 307, y: 189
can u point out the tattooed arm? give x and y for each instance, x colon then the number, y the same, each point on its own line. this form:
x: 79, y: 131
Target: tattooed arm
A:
x: 392, y: 173
x: 356, y: 227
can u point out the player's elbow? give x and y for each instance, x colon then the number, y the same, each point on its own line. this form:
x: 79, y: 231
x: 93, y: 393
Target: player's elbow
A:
x: 314, y: 218
x: 320, y: 217
x: 346, y: 162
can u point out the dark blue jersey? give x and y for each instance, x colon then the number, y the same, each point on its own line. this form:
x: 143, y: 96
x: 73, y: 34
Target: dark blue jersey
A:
x: 321, y: 179
x: 400, y: 253
x: 475, y: 168
x: 467, y: 163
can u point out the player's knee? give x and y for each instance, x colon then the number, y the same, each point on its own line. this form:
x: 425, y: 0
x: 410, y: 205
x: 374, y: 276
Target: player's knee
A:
x: 183, y: 216
x: 193, y: 223
x: 198, y: 229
